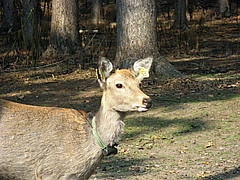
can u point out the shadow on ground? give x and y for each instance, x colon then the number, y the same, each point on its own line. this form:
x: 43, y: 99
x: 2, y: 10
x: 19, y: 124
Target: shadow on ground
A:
x: 233, y: 173
x: 182, y: 126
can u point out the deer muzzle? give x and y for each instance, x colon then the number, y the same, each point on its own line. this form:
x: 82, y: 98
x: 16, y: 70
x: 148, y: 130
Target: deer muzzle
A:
x: 145, y: 105
x: 147, y: 102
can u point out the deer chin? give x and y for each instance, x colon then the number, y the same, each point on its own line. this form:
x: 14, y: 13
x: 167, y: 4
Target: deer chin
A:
x: 140, y: 108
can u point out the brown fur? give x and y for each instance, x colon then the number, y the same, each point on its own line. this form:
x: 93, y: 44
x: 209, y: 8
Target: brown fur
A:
x: 51, y: 143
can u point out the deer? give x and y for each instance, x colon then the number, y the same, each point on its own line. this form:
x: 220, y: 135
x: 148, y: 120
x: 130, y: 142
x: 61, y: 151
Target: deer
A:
x: 53, y: 143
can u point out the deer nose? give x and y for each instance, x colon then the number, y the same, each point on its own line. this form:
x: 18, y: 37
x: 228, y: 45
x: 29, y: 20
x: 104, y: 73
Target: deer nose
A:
x: 147, y: 102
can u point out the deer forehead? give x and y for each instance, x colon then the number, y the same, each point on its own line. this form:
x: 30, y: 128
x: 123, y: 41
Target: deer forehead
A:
x: 124, y: 76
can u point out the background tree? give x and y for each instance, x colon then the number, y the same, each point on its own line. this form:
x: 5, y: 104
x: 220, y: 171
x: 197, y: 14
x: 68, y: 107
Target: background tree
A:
x: 97, y: 17
x: 180, y: 19
x: 31, y: 19
x: 64, y: 34
x: 224, y: 8
x: 136, y: 35
x: 11, y: 16
x: 136, y: 29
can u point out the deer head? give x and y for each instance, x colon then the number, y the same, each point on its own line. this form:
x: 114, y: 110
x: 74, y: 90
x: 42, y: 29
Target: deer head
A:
x: 121, y: 90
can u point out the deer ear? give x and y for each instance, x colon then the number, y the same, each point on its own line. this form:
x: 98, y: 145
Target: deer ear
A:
x: 104, y: 69
x: 142, y: 67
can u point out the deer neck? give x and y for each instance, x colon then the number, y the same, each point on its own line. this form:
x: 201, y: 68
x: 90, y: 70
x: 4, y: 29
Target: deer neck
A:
x: 109, y: 124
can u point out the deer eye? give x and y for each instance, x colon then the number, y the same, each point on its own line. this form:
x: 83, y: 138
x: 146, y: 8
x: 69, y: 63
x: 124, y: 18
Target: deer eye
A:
x: 119, y: 85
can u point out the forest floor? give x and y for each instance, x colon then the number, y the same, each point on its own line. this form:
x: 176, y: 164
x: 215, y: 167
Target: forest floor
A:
x: 191, y: 132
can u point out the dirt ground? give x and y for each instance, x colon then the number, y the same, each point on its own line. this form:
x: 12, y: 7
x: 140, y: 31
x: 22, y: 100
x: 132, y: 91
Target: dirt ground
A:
x: 191, y: 132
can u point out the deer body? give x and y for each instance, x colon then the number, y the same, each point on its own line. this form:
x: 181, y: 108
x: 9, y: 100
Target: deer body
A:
x: 48, y: 143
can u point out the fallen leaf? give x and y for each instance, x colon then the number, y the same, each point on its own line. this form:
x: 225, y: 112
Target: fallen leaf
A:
x: 209, y: 144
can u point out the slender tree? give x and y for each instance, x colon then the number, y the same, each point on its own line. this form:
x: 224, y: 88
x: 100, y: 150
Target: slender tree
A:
x: 224, y: 8
x: 30, y: 22
x: 97, y: 17
x: 180, y: 19
x: 137, y: 37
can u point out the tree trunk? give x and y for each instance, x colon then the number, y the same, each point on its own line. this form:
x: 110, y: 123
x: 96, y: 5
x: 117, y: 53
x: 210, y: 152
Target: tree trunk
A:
x: 97, y: 17
x: 137, y: 37
x: 136, y: 29
x: 224, y: 8
x: 11, y: 18
x: 64, y: 35
x: 30, y: 23
x: 180, y: 19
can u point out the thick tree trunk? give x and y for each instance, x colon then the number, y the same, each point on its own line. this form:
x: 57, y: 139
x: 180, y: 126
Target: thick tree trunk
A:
x: 180, y: 19
x: 64, y: 35
x: 136, y: 29
x: 137, y: 38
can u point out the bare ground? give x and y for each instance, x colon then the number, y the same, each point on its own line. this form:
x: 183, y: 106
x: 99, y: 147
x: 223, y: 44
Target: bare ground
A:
x: 193, y: 129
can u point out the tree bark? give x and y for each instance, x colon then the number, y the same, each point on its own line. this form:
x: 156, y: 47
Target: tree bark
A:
x: 180, y: 19
x: 97, y: 17
x: 64, y: 35
x: 11, y: 17
x: 224, y: 8
x: 31, y: 19
x: 136, y: 29
x: 137, y: 37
